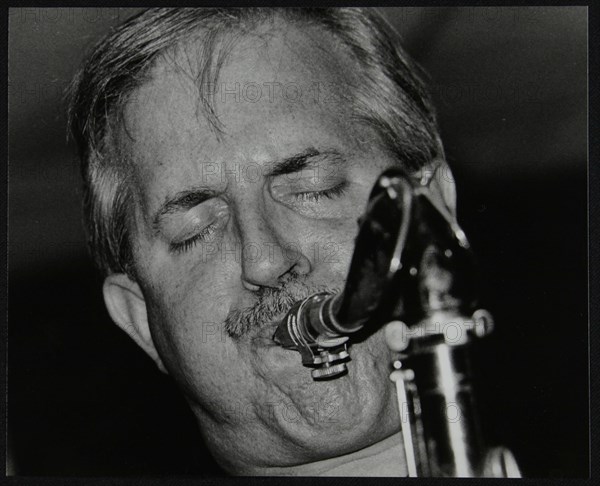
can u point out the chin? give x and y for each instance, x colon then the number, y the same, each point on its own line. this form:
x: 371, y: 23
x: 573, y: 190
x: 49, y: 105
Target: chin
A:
x: 355, y: 408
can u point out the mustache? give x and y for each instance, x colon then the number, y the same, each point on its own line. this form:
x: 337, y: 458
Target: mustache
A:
x: 271, y: 303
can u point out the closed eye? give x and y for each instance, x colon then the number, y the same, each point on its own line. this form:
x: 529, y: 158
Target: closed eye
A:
x: 315, y: 196
x: 183, y: 246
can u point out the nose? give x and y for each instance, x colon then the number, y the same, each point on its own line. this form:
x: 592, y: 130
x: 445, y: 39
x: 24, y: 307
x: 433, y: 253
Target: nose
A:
x: 267, y: 255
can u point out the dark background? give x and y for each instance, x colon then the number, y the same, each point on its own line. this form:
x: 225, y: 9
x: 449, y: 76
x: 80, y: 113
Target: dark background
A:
x: 511, y: 89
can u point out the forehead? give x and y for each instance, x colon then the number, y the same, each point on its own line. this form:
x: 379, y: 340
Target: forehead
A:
x: 278, y: 90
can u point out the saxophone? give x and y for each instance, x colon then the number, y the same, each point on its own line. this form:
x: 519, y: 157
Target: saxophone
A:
x: 412, y: 263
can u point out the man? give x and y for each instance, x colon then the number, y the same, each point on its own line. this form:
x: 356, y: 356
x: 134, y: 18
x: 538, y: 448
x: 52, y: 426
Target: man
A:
x: 227, y: 154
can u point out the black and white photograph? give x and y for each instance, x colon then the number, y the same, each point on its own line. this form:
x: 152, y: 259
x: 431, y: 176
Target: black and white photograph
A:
x: 297, y: 241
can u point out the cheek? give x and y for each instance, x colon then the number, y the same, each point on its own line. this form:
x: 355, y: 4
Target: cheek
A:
x: 334, y: 242
x: 186, y: 313
x: 334, y: 250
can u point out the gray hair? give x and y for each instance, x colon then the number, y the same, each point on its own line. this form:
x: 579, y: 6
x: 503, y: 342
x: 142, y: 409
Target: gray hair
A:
x: 392, y: 99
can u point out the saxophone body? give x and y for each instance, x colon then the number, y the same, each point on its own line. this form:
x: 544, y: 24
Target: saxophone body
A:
x: 413, y: 266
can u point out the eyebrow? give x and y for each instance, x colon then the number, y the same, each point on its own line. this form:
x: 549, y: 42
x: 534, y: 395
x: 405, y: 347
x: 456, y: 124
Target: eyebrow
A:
x: 297, y: 162
x: 189, y: 198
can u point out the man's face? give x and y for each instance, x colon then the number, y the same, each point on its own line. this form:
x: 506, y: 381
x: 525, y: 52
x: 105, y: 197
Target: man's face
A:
x: 230, y: 229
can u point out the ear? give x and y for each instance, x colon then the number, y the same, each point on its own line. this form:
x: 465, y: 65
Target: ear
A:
x: 127, y: 308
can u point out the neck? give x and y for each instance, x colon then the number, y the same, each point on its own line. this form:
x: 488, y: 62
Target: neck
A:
x: 384, y: 458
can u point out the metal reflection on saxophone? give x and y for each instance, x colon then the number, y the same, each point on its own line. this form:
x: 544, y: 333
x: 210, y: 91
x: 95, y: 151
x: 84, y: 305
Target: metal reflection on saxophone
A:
x: 412, y: 263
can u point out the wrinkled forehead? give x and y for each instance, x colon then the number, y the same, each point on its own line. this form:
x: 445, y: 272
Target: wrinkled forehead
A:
x: 202, y: 102
x: 274, y: 65
x: 275, y: 51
